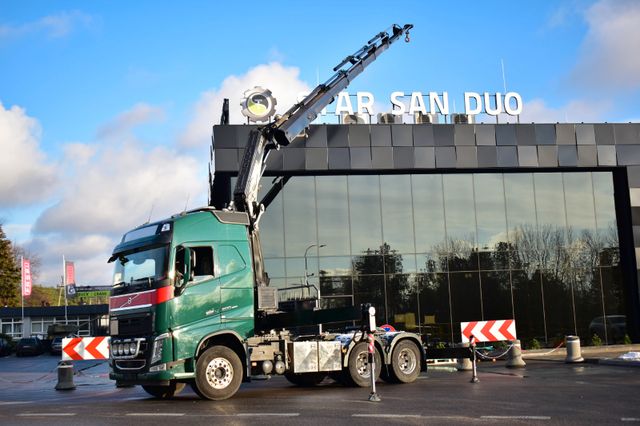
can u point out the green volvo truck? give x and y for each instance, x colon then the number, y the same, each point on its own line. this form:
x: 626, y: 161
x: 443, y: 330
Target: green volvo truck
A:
x: 191, y: 302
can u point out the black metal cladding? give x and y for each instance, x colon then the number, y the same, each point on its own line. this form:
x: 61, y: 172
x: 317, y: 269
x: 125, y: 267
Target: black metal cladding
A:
x: 383, y: 149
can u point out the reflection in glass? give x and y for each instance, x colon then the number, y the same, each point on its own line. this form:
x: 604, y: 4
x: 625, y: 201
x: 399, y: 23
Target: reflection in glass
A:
x: 428, y: 212
x: 397, y: 215
x: 547, y: 250
x: 459, y: 212
x: 333, y: 215
x: 299, y: 215
x: 272, y: 225
x: 364, y: 213
x: 490, y: 205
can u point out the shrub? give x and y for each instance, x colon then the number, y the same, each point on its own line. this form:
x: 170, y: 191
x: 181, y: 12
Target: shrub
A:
x: 535, y: 344
x: 596, y: 340
x: 627, y: 339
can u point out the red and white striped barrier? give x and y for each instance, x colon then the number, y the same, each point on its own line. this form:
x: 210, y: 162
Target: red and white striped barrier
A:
x: 488, y: 331
x: 79, y: 348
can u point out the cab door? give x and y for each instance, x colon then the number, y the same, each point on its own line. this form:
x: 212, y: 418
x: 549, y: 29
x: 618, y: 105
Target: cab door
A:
x: 198, y: 305
x: 236, y: 284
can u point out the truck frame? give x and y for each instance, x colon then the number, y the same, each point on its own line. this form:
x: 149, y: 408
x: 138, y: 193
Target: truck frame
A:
x: 191, y: 302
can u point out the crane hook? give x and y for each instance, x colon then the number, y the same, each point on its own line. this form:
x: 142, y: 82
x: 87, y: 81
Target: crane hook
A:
x: 407, y: 39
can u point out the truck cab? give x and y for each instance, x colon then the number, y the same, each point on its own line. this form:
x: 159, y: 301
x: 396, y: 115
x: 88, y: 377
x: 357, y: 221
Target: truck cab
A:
x: 177, y: 283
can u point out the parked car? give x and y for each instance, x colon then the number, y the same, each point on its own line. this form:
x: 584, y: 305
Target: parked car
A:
x: 29, y: 346
x: 615, y: 325
x: 6, y: 346
x: 56, y: 346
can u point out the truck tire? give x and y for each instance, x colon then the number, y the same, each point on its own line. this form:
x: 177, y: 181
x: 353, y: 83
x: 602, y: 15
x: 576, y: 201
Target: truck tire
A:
x: 305, y: 379
x: 405, y: 362
x: 218, y: 373
x: 164, y: 392
x: 357, y: 371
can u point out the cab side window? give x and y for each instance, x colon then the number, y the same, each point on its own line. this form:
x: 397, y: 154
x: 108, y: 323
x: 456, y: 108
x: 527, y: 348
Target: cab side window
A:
x: 229, y: 261
x: 203, y: 263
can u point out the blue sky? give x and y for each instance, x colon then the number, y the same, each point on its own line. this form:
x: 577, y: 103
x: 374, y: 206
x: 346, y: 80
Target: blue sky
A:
x: 98, y: 98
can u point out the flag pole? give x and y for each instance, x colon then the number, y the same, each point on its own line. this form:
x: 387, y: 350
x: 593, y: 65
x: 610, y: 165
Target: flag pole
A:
x: 64, y: 288
x: 22, y: 290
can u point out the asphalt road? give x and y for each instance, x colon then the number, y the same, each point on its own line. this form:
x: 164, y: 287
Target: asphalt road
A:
x: 544, y: 392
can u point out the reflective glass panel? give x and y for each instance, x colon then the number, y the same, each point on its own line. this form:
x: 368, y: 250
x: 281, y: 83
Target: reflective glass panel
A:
x: 299, y: 215
x: 333, y: 215
x: 428, y: 212
x: 459, y: 212
x: 490, y: 210
x: 397, y: 214
x: 364, y: 213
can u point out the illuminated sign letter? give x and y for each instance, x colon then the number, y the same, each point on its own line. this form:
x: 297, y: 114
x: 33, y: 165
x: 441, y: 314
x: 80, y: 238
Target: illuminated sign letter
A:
x: 507, y: 103
x: 343, y: 104
x: 365, y: 102
x: 487, y: 104
x: 397, y: 103
x: 468, y: 96
x: 443, y: 105
x: 417, y: 103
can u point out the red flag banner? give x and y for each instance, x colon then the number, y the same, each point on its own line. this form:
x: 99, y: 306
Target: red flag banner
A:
x: 69, y: 273
x: 26, y: 277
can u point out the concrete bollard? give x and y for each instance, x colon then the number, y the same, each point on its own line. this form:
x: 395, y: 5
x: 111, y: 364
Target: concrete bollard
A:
x: 514, y: 356
x: 574, y: 353
x: 464, y: 364
x: 65, y: 376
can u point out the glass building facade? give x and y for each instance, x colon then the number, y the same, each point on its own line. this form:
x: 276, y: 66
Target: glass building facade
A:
x: 432, y: 250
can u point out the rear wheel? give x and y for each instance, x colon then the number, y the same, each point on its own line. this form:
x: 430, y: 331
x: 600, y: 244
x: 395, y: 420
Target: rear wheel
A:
x: 405, y: 362
x: 164, y: 392
x: 305, y: 379
x: 358, y: 369
x: 218, y: 373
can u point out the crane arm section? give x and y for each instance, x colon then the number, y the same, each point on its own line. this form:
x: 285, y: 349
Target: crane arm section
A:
x: 283, y: 130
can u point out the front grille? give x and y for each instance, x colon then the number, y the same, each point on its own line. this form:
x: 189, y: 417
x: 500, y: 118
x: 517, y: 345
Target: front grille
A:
x: 134, y: 325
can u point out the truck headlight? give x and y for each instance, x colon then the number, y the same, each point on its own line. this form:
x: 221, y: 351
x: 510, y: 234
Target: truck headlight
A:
x: 158, y: 345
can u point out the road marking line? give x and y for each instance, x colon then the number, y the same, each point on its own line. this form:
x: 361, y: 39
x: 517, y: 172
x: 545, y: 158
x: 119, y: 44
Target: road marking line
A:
x: 630, y: 419
x: 267, y: 414
x: 390, y: 416
x: 156, y: 414
x: 516, y: 417
x: 15, y: 402
x: 45, y: 414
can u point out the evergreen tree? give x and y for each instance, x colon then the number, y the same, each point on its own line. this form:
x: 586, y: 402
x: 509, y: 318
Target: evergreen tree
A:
x: 9, y: 274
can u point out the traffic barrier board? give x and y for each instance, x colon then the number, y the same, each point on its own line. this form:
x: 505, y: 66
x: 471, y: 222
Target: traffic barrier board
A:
x: 79, y: 348
x: 488, y: 331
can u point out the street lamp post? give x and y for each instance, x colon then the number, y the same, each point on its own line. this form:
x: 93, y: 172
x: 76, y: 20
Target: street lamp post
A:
x: 307, y: 275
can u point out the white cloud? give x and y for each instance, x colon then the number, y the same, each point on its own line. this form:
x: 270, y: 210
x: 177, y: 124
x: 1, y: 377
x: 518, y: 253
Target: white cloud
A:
x: 140, y: 114
x: 111, y: 186
x: 284, y: 83
x: 609, y: 56
x: 25, y: 176
x: 53, y: 26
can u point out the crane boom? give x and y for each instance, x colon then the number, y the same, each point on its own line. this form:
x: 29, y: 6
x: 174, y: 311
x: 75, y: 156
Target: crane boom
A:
x: 283, y: 130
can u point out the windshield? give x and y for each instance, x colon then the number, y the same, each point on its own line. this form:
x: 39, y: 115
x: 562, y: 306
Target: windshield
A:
x: 142, y: 266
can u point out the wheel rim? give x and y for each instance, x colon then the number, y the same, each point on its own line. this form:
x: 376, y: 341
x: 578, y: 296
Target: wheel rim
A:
x: 407, y: 361
x: 219, y: 373
x: 362, y: 364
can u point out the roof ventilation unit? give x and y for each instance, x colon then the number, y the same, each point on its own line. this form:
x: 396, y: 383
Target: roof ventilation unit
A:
x: 462, y: 119
x: 353, y: 119
x: 388, y: 118
x: 429, y: 118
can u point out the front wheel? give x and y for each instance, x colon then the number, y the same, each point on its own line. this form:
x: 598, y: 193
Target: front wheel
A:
x: 218, y: 373
x: 163, y: 392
